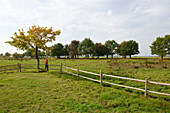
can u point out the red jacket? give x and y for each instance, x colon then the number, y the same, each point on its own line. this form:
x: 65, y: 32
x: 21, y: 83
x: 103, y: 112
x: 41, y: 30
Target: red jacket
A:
x: 46, y: 62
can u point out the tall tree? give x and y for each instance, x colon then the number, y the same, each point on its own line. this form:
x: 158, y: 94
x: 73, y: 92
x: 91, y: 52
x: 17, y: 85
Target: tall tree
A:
x: 57, y: 50
x: 99, y: 50
x: 66, y: 50
x: 119, y: 48
x: 129, y: 48
x: 161, y: 46
x: 86, y: 47
x: 16, y: 55
x: 36, y: 38
x: 73, y: 48
x: 7, y: 54
x: 111, y: 46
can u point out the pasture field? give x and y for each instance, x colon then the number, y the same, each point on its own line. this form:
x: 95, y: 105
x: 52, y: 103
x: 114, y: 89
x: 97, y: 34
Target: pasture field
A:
x: 30, y: 91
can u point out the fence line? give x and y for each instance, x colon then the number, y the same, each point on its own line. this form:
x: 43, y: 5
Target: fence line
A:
x: 9, y: 67
x: 19, y: 67
x: 138, y: 80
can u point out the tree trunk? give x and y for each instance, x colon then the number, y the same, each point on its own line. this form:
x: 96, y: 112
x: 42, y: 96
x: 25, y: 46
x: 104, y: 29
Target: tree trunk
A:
x: 162, y: 57
x: 107, y: 56
x: 112, y: 56
x: 58, y: 57
x: 92, y: 56
x: 130, y: 56
x: 36, y: 55
x: 98, y: 57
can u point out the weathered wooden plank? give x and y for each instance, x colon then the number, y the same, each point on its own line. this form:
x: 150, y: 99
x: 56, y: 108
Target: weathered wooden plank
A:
x: 70, y: 68
x: 123, y: 86
x: 159, y: 83
x: 8, y: 65
x: 28, y: 67
x: 89, y: 72
x: 9, y: 69
x: 82, y: 76
x: 146, y: 87
x: 53, y: 69
x: 89, y: 78
x: 138, y: 80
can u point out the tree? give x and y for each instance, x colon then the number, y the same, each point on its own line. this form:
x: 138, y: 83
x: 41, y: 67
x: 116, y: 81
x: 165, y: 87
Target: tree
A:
x: 65, y: 50
x: 99, y: 50
x: 72, y: 48
x: 111, y: 46
x: 161, y: 46
x: 119, y: 48
x: 1, y: 54
x: 57, y: 50
x: 7, y: 54
x: 36, y: 38
x: 86, y: 47
x: 129, y: 48
x: 16, y: 55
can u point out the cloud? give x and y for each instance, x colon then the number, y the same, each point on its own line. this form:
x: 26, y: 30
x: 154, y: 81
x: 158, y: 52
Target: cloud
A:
x: 101, y: 20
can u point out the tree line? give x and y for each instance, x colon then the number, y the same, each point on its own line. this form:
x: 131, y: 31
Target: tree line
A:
x: 88, y: 48
x: 34, y: 42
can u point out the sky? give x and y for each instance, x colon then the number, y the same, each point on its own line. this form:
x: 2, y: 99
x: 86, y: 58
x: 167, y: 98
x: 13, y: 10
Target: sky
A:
x: 99, y: 20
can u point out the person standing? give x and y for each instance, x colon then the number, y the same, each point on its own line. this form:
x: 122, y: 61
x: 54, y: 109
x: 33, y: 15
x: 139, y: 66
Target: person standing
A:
x: 46, y: 64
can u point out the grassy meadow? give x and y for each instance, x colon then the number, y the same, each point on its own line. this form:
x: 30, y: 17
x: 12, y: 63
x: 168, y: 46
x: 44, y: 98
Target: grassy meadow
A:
x: 30, y: 91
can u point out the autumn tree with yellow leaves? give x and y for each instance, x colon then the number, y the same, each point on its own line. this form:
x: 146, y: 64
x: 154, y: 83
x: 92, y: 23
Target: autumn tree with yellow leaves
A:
x: 35, y: 39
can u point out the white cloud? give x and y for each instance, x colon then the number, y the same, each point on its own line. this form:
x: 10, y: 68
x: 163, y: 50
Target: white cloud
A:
x: 101, y: 20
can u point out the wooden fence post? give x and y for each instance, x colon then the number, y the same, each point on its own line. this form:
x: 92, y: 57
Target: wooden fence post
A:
x: 18, y: 66
x: 146, y: 87
x: 100, y: 77
x: 61, y: 69
x: 77, y: 72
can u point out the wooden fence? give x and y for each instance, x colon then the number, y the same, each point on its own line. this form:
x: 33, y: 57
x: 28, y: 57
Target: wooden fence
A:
x: 9, y: 67
x: 24, y: 66
x: 19, y: 67
x: 101, y: 81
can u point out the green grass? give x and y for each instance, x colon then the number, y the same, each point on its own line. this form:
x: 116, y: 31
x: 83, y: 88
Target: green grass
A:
x: 30, y: 91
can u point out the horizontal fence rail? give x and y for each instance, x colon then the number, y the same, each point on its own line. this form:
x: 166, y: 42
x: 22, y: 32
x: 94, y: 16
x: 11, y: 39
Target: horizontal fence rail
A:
x: 42, y: 64
x: 138, y: 80
x: 29, y: 66
x: 9, y: 67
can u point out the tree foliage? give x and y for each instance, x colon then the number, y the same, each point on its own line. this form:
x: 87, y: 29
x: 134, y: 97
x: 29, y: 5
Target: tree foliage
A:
x: 17, y: 55
x: 57, y: 50
x: 161, y: 46
x: 111, y: 46
x: 119, y: 48
x: 7, y: 54
x: 36, y: 38
x: 65, y: 50
x: 128, y: 48
x: 86, y: 47
x: 99, y: 50
x: 73, y: 48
